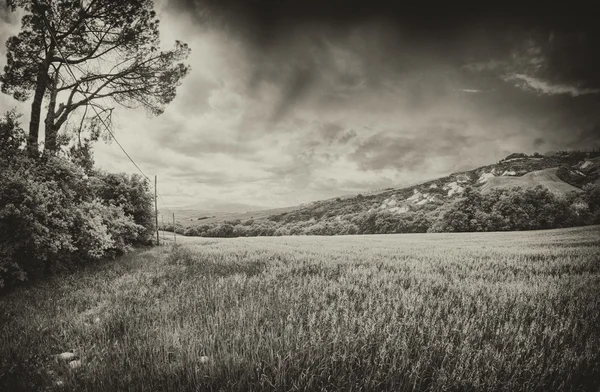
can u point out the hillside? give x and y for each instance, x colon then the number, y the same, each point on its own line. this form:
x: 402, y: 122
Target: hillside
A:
x: 546, y: 178
x: 576, y: 170
x: 416, y: 208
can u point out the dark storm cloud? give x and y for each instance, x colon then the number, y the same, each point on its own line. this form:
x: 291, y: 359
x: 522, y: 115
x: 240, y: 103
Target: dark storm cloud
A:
x: 574, y: 56
x: 312, y: 99
x: 266, y: 21
x: 570, y: 123
x: 556, y: 44
x: 269, y: 16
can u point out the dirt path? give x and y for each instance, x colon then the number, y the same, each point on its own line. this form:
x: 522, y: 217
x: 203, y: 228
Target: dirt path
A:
x: 167, y: 238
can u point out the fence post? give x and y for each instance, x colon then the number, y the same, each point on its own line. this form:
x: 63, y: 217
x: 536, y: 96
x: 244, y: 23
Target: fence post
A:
x: 174, y: 232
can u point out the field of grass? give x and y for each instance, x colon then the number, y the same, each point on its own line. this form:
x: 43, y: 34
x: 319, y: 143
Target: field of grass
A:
x: 513, y: 311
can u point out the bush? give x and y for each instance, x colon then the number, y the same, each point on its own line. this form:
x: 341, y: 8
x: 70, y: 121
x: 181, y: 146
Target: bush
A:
x: 104, y: 230
x: 36, y: 215
x: 53, y: 215
x: 132, y: 194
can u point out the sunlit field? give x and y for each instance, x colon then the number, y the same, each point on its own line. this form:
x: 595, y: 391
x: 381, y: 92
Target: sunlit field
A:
x: 513, y: 311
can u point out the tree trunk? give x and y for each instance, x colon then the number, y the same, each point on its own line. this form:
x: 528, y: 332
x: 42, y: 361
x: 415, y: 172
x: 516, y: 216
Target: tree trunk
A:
x: 36, y: 108
x: 50, y: 145
x: 51, y: 131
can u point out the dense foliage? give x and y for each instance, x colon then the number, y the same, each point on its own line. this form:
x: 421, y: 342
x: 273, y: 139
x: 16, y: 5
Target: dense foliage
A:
x: 55, y: 214
x: 515, y: 209
x: 498, y: 210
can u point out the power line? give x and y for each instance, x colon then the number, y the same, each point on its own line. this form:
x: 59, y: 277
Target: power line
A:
x: 161, y: 198
x: 84, y: 94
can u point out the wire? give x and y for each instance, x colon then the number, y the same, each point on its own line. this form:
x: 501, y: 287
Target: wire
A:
x: 95, y: 111
x: 84, y: 94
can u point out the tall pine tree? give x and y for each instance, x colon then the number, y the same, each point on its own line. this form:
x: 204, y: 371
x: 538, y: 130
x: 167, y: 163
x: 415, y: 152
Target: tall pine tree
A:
x: 89, y: 54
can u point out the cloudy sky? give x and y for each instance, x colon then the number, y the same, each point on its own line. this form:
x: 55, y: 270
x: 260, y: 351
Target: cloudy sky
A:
x: 292, y: 101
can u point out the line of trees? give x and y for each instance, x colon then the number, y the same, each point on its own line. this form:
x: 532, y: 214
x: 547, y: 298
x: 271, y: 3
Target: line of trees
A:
x: 499, y: 210
x: 519, y: 209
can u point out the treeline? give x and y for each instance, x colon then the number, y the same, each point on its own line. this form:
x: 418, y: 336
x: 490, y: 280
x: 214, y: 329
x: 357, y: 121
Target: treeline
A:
x: 57, y: 211
x: 519, y: 209
x: 499, y: 210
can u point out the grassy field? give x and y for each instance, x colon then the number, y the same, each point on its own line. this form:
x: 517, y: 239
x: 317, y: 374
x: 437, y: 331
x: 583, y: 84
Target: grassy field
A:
x: 438, y: 312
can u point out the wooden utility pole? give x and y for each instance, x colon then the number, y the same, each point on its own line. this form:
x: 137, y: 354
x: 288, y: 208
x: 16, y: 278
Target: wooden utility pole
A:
x: 156, y: 212
x: 174, y: 233
x: 162, y: 218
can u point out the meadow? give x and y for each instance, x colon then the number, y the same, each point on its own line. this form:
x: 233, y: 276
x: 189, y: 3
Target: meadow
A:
x: 513, y: 311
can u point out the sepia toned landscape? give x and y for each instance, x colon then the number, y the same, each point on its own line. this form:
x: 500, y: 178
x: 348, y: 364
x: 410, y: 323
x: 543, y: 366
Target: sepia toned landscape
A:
x: 299, y: 196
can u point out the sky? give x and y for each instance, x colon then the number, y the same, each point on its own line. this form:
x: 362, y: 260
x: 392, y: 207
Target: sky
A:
x: 292, y: 101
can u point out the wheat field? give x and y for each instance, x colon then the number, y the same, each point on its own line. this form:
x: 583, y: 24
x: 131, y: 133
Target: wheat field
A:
x: 433, y: 312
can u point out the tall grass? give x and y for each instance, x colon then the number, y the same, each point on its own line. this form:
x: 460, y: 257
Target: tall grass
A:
x: 487, y: 311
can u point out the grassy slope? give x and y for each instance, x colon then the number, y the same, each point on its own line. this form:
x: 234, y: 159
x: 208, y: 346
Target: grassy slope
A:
x: 502, y: 311
x: 546, y: 178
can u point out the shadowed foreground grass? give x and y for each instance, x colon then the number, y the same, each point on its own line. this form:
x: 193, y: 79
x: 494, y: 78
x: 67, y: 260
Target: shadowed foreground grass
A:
x: 486, y: 311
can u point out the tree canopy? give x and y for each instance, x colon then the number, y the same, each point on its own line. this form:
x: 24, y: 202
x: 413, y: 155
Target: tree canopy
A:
x: 85, y: 56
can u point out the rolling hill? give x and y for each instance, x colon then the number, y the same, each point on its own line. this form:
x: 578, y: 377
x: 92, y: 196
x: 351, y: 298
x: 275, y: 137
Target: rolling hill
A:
x: 561, y: 173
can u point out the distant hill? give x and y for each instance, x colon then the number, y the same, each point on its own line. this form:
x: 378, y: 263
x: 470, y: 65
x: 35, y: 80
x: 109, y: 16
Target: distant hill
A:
x: 417, y: 206
x: 560, y: 173
x: 191, y: 217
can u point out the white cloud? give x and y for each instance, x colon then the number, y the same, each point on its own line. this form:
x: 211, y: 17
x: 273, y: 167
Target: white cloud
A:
x: 544, y: 87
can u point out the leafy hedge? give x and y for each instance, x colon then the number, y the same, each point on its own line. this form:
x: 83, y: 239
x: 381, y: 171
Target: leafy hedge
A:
x: 56, y: 214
